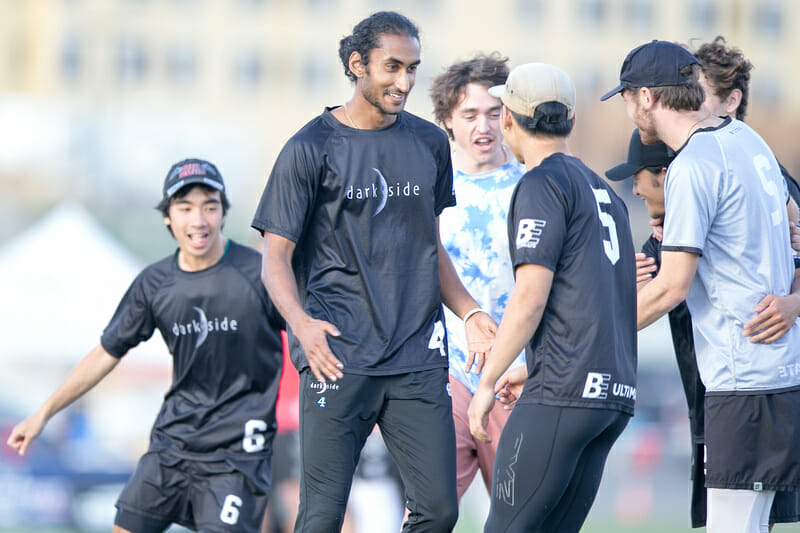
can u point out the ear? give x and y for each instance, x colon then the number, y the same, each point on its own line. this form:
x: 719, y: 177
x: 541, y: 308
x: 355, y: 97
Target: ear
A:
x: 355, y: 64
x: 448, y: 123
x: 506, y: 120
x: 732, y: 102
x: 167, y: 221
x: 646, y: 97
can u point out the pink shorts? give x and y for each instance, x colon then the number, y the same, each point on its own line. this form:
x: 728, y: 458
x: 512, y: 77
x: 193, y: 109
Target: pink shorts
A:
x: 472, y: 454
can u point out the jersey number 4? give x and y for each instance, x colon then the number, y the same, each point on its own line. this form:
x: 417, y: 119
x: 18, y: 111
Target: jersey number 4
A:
x: 610, y: 245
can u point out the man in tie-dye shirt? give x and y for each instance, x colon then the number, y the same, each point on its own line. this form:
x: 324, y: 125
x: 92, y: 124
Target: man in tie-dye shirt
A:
x: 474, y: 233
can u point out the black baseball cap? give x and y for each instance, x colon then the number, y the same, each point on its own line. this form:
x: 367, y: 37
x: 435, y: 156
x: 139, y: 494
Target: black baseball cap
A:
x: 655, y: 64
x: 641, y: 156
x: 191, y: 171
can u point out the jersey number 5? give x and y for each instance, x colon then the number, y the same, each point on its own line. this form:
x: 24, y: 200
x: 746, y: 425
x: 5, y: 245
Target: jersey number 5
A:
x: 610, y: 245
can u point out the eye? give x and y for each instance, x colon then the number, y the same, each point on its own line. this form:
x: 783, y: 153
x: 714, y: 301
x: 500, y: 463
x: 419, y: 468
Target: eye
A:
x: 469, y: 117
x: 412, y: 69
x: 391, y: 67
x: 494, y: 115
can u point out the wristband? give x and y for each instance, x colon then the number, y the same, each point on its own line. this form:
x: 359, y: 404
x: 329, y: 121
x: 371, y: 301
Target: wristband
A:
x: 470, y: 313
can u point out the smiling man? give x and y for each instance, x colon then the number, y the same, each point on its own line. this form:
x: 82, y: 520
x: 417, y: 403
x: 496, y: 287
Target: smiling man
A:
x: 208, y: 464
x: 361, y: 278
x: 474, y: 233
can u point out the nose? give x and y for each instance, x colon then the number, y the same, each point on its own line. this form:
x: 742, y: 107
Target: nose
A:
x: 403, y: 82
x: 635, y: 189
x: 483, y: 123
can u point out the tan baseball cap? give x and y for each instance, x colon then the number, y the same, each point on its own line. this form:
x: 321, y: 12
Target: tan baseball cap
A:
x: 532, y: 84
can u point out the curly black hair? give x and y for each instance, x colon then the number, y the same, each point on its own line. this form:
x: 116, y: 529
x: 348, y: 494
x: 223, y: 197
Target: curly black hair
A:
x: 366, y: 35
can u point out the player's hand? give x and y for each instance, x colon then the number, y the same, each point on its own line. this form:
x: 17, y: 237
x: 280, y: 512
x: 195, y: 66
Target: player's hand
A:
x: 794, y: 233
x: 645, y: 267
x: 658, y: 228
x: 313, y: 337
x: 478, y: 412
x: 509, y: 387
x: 23, y: 433
x: 481, y: 330
x: 775, y: 317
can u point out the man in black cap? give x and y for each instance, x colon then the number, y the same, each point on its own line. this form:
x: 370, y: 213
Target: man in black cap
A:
x: 725, y: 246
x: 208, y: 464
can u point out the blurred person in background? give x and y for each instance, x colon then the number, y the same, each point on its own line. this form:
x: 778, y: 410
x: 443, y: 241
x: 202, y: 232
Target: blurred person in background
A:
x: 354, y: 262
x: 208, y: 464
x: 474, y: 233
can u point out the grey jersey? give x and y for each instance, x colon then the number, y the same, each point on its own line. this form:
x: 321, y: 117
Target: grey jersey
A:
x: 726, y: 201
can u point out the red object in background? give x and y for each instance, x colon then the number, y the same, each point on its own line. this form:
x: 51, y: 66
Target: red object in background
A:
x: 288, y: 409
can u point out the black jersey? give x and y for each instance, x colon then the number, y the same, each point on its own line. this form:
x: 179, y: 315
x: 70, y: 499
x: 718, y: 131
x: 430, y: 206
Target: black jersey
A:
x: 361, y: 205
x: 680, y: 325
x: 564, y: 217
x: 224, y: 336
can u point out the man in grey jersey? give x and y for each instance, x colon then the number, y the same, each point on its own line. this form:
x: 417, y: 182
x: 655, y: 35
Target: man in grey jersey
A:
x: 726, y: 252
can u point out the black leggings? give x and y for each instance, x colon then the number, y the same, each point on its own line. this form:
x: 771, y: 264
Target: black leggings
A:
x: 548, y: 467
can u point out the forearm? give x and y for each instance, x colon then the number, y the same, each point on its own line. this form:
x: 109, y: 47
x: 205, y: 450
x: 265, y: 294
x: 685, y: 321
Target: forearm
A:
x: 654, y: 300
x: 278, y: 278
x: 519, y: 323
x: 92, y: 368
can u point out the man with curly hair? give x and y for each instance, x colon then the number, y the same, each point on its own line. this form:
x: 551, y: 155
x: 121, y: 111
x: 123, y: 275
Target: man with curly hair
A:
x: 485, y: 173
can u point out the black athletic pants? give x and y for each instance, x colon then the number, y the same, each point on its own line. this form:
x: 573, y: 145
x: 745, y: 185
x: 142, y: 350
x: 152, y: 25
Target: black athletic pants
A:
x: 548, y: 467
x: 415, y: 417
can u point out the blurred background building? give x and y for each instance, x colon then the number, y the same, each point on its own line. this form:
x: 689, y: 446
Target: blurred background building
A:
x: 99, y: 97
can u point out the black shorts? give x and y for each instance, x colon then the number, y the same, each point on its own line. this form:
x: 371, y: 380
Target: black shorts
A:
x: 785, y: 506
x: 209, y: 496
x: 548, y: 467
x: 753, y: 441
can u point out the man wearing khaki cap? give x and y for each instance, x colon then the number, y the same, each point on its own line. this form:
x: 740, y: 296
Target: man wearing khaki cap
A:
x: 573, y: 309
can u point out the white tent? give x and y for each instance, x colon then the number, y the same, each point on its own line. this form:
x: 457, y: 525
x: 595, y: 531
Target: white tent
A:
x: 60, y: 282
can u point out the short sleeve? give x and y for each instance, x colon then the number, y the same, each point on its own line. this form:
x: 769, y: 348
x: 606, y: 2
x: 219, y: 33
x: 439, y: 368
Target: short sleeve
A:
x: 445, y: 195
x: 132, y: 323
x: 289, y: 193
x: 537, y: 221
x: 691, y: 201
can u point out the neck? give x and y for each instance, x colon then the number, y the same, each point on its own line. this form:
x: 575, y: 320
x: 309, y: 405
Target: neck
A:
x: 674, y: 128
x: 536, y: 149
x: 191, y: 263
x: 469, y: 165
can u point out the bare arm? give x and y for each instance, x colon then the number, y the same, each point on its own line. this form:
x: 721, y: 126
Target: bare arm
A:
x: 281, y: 284
x: 669, y: 288
x: 520, y: 320
x: 480, y: 327
x: 775, y: 315
x: 92, y: 368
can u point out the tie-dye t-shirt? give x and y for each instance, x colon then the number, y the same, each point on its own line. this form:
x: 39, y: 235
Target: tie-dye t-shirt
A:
x: 475, y: 235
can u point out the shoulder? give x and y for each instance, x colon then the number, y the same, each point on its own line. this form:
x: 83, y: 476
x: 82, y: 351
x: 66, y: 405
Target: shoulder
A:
x: 425, y: 129
x: 316, y: 132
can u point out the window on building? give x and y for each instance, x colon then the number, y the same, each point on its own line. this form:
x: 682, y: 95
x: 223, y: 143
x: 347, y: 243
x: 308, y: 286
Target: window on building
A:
x: 767, y: 19
x: 317, y: 72
x: 70, y: 58
x: 131, y: 60
x: 703, y: 15
x: 592, y: 12
x: 248, y: 68
x: 182, y: 64
x: 529, y: 9
x: 639, y: 13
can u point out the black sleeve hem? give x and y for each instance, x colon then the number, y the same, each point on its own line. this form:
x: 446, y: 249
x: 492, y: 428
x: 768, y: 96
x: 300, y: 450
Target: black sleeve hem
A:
x: 689, y: 249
